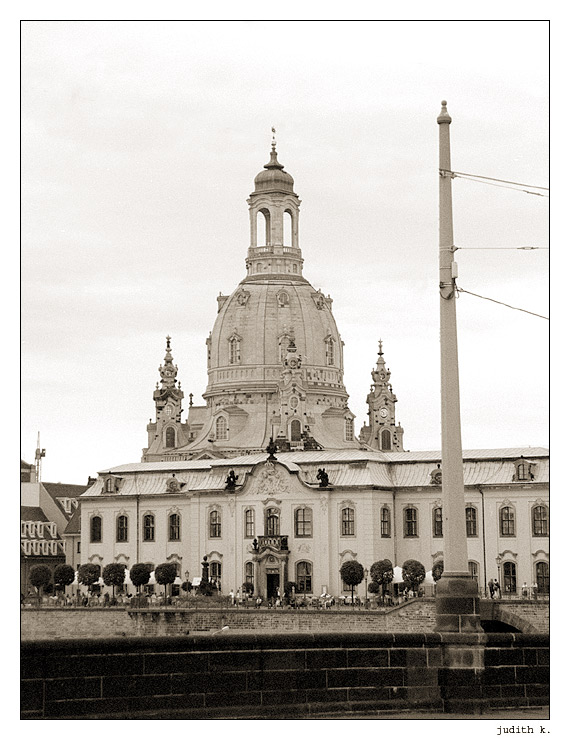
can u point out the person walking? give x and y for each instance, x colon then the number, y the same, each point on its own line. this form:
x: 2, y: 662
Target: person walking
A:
x: 497, y: 588
x: 491, y: 588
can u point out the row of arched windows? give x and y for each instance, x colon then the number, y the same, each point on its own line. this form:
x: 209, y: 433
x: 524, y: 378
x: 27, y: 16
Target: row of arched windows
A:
x: 234, y: 350
x: 295, y: 429
x: 122, y: 528
x: 303, y: 523
x: 263, y: 228
x: 541, y: 574
x: 507, y: 528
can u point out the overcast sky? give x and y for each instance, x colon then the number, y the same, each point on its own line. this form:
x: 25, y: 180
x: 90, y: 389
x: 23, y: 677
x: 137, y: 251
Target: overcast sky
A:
x: 140, y: 143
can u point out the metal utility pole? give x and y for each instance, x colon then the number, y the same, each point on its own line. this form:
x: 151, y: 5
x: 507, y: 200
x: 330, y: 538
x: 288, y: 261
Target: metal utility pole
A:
x: 455, y: 584
x: 39, y: 455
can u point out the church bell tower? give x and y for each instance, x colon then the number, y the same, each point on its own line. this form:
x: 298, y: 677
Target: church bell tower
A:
x: 167, y: 431
x: 382, y: 432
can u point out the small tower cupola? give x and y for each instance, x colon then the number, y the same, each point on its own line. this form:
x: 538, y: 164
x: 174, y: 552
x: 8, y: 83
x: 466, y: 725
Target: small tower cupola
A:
x: 274, y: 223
x: 168, y: 371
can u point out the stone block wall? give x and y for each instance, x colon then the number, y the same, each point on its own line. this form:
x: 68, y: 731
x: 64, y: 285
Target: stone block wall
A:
x: 276, y: 676
x: 415, y: 616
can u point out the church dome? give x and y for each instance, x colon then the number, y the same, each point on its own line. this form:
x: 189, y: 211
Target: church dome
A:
x: 260, y: 314
x: 273, y: 176
x: 275, y: 356
x: 273, y: 179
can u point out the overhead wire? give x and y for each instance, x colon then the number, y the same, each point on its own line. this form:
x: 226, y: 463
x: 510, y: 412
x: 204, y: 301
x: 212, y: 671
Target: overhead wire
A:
x: 522, y: 248
x: 493, y: 300
x: 495, y: 180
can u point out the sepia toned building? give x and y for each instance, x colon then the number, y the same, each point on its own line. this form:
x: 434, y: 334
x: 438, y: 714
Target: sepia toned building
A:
x: 270, y: 480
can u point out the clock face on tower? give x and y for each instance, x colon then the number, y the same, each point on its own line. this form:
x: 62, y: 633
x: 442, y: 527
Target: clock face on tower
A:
x: 384, y: 412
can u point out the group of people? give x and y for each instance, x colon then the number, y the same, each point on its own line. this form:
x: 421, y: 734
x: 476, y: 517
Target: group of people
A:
x: 494, y: 589
x: 526, y: 591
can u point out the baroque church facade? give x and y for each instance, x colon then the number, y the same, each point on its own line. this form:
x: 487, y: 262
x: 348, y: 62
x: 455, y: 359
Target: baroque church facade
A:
x: 270, y: 482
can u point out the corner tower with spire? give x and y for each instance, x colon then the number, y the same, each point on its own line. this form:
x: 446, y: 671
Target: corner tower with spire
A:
x: 382, y: 432
x: 167, y: 432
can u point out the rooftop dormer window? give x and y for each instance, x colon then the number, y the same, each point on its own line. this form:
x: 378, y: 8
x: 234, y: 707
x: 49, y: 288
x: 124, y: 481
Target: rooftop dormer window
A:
x: 523, y: 470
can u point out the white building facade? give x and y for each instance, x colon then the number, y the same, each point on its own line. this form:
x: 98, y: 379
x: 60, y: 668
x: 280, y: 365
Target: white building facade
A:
x: 268, y: 479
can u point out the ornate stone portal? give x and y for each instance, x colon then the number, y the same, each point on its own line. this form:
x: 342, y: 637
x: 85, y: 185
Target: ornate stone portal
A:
x: 271, y: 566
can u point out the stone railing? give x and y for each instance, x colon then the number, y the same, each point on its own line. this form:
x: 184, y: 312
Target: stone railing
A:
x: 279, y: 541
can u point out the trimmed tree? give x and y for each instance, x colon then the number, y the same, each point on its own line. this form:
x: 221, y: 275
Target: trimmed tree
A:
x: 382, y: 573
x: 63, y: 576
x: 413, y: 573
x: 247, y: 587
x: 140, y: 575
x: 40, y: 577
x: 165, y: 573
x: 114, y: 575
x: 437, y: 570
x: 88, y: 574
x: 352, y: 573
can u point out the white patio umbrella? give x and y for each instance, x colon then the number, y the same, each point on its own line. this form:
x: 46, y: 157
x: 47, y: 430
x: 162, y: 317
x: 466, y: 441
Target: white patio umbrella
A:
x: 127, y: 580
x: 429, y: 578
x: 152, y: 579
x: 76, y: 579
x: 178, y: 581
x: 397, y: 575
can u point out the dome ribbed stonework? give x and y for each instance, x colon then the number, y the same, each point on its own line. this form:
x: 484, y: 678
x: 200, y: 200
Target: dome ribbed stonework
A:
x: 275, y: 364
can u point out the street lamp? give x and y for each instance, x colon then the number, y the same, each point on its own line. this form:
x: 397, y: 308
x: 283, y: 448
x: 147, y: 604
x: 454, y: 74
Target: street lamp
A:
x: 498, y: 561
x: 187, y: 583
x: 366, y: 588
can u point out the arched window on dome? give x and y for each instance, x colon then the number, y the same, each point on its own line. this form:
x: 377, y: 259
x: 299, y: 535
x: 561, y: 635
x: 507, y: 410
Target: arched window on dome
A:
x: 234, y: 356
x: 263, y: 228
x: 287, y: 228
x: 295, y: 430
x: 221, y: 428
x: 329, y: 351
x: 386, y: 440
x: 170, y: 437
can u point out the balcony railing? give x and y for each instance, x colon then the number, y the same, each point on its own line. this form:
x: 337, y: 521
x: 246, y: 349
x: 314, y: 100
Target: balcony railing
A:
x: 278, y: 541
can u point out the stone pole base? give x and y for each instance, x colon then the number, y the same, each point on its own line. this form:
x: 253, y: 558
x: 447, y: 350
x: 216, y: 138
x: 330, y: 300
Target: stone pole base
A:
x: 457, y: 618
x: 457, y: 604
